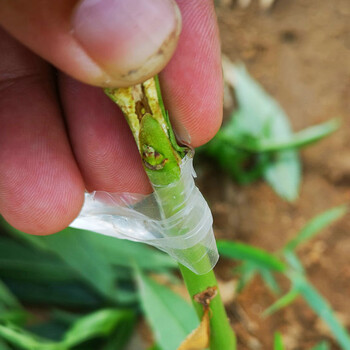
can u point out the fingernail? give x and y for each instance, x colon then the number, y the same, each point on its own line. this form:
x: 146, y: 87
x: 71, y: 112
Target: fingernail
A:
x: 131, y: 40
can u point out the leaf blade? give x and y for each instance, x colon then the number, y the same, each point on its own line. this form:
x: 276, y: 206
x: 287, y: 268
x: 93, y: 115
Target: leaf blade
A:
x: 243, y: 251
x: 169, y: 316
x: 315, y: 225
x: 278, y: 342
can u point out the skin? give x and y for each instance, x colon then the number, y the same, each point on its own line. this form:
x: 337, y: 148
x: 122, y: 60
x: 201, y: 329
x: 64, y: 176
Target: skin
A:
x: 60, y: 136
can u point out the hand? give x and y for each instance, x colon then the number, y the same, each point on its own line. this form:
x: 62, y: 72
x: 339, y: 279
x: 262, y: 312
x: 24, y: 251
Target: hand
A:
x: 60, y: 136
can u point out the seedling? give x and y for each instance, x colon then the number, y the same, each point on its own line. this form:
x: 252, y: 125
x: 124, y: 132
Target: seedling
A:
x: 143, y: 108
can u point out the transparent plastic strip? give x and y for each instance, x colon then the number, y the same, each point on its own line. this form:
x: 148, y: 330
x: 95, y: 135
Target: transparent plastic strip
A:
x: 187, y: 235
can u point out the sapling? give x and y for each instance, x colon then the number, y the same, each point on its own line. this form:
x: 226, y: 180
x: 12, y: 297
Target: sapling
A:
x: 163, y: 158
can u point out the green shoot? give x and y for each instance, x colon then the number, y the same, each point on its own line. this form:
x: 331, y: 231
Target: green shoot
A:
x: 257, y: 141
x: 278, y: 342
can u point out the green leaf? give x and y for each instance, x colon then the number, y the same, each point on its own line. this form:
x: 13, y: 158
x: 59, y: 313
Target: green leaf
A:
x: 77, y: 250
x: 16, y: 316
x: 314, y: 226
x: 7, y: 299
x: 246, y: 252
x: 4, y: 346
x: 321, y: 346
x: 242, y: 165
x: 26, y: 340
x: 101, y: 323
x: 121, y: 252
x: 270, y: 280
x: 264, y: 120
x: 68, y: 294
x: 293, y: 261
x: 282, y: 302
x: 278, y: 342
x: 299, y: 139
x: 322, y: 309
x: 284, y: 175
x: 118, y: 340
x: 258, y: 139
x: 28, y: 263
x: 170, y: 317
x: 247, y: 272
x: 154, y: 347
x: 98, y: 324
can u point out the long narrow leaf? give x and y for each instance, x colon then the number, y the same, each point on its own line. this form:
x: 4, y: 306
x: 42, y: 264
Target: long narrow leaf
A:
x: 323, y: 310
x: 99, y: 323
x: 26, y: 340
x: 278, y: 342
x: 293, y: 261
x: 245, y: 252
x: 270, y: 280
x: 282, y: 302
x: 317, y: 224
x: 247, y: 271
x: 297, y: 140
x: 321, y: 346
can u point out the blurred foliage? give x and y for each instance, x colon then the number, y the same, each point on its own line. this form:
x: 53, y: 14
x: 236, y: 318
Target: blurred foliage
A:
x: 89, y: 275
x: 278, y: 342
x: 254, y: 261
x: 170, y: 317
x: 98, y: 309
x: 257, y: 141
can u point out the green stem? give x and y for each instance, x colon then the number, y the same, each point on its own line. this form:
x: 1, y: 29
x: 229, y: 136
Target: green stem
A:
x: 145, y: 113
x: 222, y: 336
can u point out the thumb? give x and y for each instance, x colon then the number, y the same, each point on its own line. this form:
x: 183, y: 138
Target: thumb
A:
x: 100, y: 42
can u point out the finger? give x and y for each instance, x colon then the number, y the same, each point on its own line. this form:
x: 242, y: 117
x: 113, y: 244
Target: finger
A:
x: 102, y: 141
x: 41, y: 190
x: 192, y: 81
x: 100, y: 42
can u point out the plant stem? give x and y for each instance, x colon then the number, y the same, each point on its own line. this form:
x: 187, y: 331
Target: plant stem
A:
x: 222, y: 336
x: 143, y: 108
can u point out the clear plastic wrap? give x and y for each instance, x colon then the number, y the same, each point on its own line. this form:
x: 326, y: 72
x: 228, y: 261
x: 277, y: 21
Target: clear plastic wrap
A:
x: 174, y: 218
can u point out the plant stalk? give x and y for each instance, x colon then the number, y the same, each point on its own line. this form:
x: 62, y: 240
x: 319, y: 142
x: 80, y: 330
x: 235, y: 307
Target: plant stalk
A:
x: 144, y: 110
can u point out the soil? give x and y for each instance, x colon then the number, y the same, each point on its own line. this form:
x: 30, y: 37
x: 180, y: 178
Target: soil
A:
x: 300, y: 52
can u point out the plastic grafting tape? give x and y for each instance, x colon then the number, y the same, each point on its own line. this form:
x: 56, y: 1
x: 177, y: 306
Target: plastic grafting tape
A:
x: 187, y: 235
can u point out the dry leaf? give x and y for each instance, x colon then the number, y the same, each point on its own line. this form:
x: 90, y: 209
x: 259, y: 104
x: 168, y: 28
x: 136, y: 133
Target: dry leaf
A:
x: 199, y: 338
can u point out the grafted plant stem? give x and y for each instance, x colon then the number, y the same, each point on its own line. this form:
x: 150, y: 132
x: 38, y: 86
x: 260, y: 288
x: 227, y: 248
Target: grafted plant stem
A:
x: 143, y: 108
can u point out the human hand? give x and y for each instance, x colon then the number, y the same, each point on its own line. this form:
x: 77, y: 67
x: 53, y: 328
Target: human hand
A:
x: 59, y: 135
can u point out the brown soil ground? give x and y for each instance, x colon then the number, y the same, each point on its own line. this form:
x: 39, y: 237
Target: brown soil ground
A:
x: 300, y: 52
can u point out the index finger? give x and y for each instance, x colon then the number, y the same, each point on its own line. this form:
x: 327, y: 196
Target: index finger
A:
x: 192, y: 81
